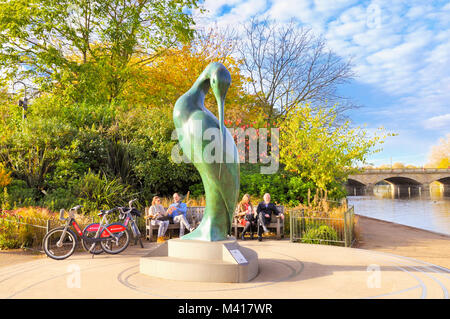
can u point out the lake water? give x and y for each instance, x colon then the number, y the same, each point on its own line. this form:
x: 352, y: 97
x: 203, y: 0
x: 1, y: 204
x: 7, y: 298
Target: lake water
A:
x: 425, y: 212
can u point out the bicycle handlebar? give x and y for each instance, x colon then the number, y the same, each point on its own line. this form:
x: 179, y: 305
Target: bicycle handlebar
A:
x: 62, y: 211
x: 131, y: 202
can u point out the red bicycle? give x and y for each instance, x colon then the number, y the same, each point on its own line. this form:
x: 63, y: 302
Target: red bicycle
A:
x: 60, y: 243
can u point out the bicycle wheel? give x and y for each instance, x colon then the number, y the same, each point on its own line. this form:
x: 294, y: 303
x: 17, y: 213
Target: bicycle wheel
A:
x: 116, y: 243
x: 89, y: 232
x: 57, y: 249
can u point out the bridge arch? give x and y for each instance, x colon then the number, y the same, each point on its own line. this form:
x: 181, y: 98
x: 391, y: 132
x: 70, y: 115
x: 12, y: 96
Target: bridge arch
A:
x: 445, y: 185
x: 403, y: 186
x: 445, y: 180
x: 410, y: 179
x: 355, y: 187
x: 400, y: 180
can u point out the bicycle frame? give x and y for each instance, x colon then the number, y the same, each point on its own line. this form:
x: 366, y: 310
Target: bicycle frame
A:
x: 129, y: 220
x: 105, y: 231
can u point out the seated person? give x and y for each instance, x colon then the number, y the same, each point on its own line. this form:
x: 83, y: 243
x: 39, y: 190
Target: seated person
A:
x: 158, y: 217
x: 177, y: 211
x: 246, y: 216
x: 265, y: 210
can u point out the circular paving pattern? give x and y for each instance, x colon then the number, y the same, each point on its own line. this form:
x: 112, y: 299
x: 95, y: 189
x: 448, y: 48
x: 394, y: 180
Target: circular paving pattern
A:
x: 286, y: 270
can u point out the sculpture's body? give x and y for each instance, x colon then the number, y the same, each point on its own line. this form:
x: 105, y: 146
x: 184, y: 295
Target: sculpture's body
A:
x: 220, y: 179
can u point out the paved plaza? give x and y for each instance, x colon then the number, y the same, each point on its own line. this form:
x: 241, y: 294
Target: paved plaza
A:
x: 286, y: 270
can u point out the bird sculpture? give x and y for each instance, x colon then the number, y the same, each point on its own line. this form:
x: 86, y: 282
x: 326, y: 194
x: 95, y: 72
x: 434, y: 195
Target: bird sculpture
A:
x: 209, y: 145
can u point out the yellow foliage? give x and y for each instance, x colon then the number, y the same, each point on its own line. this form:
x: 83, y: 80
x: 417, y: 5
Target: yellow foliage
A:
x: 5, y: 178
x: 398, y: 165
x: 162, y: 81
x: 440, y: 154
x: 444, y: 163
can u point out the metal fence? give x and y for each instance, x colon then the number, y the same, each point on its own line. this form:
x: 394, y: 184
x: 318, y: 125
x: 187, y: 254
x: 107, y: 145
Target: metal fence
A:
x: 321, y: 228
x: 28, y: 231
x: 25, y: 231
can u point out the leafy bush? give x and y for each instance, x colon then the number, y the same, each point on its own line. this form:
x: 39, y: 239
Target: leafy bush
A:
x: 60, y: 198
x: 284, y: 188
x: 18, y: 194
x: 321, y: 234
x: 8, y: 236
x: 197, y: 190
x: 96, y: 191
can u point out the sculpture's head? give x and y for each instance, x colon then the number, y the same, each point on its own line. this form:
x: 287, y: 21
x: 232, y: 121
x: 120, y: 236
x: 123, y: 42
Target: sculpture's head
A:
x: 220, y: 81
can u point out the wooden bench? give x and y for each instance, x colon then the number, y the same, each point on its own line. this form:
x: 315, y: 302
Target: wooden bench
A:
x: 193, y: 215
x: 276, y: 223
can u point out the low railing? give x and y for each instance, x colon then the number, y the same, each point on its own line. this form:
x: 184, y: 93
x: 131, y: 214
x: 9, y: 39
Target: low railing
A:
x: 313, y: 228
x: 29, y: 231
x: 25, y: 231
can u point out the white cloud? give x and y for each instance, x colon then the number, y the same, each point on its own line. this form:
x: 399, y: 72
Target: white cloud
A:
x: 438, y: 122
x: 401, y: 48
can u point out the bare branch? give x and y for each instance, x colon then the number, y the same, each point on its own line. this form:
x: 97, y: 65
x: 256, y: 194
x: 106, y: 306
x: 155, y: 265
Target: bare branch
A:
x: 288, y: 65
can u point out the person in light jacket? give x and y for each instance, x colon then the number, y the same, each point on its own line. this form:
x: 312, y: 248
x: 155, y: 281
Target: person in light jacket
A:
x: 159, y: 217
x: 178, y: 211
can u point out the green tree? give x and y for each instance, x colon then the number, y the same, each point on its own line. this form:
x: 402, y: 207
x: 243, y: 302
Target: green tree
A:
x: 84, y: 47
x: 313, y: 145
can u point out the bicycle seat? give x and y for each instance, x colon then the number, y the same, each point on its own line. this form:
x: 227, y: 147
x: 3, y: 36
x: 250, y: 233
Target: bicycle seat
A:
x: 104, y: 212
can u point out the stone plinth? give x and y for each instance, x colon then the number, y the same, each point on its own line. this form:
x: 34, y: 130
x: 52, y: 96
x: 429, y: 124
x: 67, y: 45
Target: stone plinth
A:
x: 196, y: 260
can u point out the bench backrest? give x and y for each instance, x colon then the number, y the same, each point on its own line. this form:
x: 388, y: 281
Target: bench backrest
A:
x: 274, y: 217
x: 195, y: 213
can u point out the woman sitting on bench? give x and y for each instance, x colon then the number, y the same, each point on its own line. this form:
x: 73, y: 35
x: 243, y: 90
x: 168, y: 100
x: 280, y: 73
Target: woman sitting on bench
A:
x: 159, y: 217
x: 247, y: 216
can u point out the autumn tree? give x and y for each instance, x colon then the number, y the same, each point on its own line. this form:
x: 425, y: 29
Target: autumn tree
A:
x: 315, y: 147
x: 161, y: 82
x: 84, y: 47
x: 398, y: 165
x: 439, y: 156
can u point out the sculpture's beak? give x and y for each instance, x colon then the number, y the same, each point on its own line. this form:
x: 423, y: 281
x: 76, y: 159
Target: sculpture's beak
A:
x: 220, y: 82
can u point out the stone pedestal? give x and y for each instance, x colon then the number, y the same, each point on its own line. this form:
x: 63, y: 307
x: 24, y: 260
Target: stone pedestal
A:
x: 196, y: 260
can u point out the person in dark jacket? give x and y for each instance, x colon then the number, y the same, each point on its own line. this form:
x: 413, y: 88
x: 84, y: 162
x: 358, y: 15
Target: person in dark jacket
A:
x: 265, y: 210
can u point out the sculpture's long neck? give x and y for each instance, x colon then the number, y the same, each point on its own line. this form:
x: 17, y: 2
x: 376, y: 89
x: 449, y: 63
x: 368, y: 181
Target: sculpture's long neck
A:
x: 200, y: 88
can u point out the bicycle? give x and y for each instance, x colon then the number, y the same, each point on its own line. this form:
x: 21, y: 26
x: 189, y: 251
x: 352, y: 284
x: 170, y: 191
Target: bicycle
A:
x: 60, y: 243
x: 129, y: 214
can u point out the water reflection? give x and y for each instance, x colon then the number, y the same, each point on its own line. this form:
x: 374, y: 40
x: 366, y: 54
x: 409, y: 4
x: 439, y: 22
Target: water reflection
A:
x: 407, y: 205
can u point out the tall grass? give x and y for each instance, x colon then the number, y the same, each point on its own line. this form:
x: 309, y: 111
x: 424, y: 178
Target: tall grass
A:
x: 16, y: 230
x: 18, y: 227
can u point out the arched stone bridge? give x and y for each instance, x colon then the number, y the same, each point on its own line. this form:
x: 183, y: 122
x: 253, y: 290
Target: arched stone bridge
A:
x: 419, y: 177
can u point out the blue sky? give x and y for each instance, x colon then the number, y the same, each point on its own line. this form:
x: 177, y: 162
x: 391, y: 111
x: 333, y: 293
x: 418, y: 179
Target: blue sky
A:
x: 401, y: 53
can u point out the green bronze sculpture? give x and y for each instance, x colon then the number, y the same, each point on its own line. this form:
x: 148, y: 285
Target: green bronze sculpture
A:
x: 220, y: 177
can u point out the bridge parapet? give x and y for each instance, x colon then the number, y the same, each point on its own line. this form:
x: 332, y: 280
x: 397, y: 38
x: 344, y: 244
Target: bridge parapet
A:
x: 405, y: 170
x: 424, y: 176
